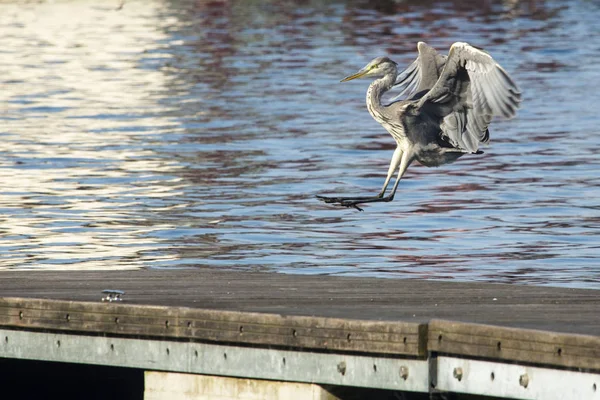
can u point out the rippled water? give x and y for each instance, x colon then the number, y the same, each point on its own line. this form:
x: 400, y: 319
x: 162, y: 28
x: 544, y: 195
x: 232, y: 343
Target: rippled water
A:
x: 172, y: 134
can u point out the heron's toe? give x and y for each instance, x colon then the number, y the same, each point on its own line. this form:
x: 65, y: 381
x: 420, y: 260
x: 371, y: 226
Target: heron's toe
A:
x: 350, y: 203
x: 329, y: 199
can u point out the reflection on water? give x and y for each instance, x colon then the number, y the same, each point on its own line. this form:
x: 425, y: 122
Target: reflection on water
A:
x: 176, y: 134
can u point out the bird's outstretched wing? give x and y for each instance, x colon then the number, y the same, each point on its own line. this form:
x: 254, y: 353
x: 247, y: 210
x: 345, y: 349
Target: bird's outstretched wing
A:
x: 422, y: 73
x: 471, y: 89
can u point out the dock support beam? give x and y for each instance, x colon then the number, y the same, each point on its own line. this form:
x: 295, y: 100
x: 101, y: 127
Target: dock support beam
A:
x: 176, y: 386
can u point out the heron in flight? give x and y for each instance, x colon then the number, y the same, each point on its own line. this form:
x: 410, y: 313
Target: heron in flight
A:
x: 450, y: 102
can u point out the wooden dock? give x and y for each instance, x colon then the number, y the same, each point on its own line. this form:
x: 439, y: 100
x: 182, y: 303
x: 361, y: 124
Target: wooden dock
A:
x: 327, y: 337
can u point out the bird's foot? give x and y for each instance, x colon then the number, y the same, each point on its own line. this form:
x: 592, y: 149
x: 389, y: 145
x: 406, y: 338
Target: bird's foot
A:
x: 327, y: 199
x: 342, y: 201
x: 351, y: 203
x: 355, y: 201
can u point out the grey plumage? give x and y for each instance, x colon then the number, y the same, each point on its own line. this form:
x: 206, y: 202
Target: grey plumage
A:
x: 449, y: 103
x: 422, y: 73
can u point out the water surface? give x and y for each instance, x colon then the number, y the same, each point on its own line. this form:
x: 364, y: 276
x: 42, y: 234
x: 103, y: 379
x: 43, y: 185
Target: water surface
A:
x: 173, y: 134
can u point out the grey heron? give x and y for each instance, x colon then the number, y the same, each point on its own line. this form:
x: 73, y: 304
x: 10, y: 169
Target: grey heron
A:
x: 450, y: 102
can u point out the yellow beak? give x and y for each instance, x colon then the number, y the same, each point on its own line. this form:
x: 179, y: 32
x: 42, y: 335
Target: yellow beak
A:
x: 360, y: 73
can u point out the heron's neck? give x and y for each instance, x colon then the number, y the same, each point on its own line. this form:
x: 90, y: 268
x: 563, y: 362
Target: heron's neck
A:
x: 376, y: 90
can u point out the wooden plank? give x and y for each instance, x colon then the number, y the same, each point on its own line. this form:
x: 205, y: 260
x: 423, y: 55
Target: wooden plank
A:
x: 315, y: 333
x: 212, y: 294
x: 514, y: 345
x: 528, y: 307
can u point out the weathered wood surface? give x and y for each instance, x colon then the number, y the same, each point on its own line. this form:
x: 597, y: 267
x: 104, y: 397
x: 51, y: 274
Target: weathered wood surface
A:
x: 317, y: 333
x: 514, y: 345
x: 545, y: 308
x: 317, y: 312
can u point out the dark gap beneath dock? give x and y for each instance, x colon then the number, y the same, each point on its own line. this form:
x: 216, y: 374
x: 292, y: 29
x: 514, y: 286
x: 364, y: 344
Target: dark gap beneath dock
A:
x: 27, y: 379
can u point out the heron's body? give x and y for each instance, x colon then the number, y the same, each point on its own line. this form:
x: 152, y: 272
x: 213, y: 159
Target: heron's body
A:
x: 412, y: 132
x: 450, y: 103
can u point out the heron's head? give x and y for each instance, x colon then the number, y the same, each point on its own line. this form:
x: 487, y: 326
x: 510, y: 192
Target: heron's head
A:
x: 377, y: 68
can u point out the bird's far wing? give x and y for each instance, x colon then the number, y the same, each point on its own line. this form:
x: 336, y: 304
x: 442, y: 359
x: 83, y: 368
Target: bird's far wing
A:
x: 470, y: 91
x: 471, y: 70
x: 422, y: 73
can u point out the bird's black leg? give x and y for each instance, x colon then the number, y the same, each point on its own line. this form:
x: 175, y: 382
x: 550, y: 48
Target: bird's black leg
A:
x: 399, y: 158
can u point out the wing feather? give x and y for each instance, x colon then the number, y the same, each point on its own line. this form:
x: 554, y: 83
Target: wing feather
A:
x: 470, y: 91
x: 421, y: 74
x: 408, y: 80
